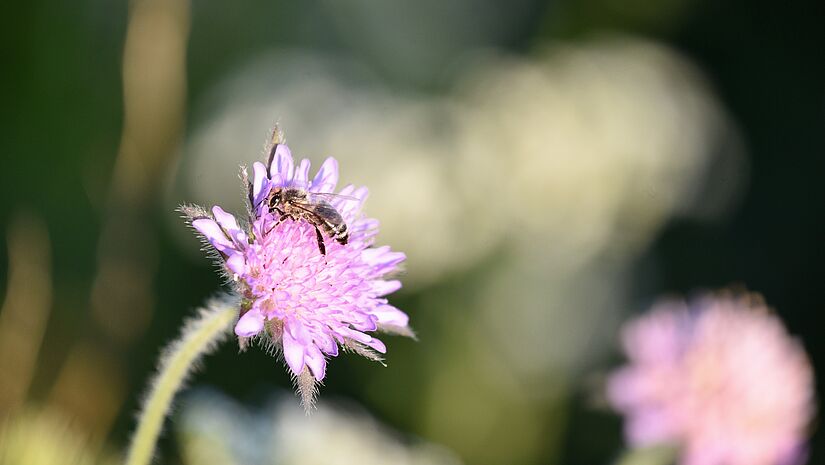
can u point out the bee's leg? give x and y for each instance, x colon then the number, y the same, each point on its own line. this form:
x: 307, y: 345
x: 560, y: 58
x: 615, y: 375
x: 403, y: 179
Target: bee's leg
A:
x: 280, y: 220
x: 321, y: 246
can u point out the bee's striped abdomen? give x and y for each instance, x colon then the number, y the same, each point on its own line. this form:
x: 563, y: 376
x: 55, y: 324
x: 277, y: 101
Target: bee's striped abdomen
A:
x: 332, y: 222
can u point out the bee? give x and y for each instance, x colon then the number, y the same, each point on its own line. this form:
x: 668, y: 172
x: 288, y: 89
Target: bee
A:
x: 295, y: 203
x: 298, y: 204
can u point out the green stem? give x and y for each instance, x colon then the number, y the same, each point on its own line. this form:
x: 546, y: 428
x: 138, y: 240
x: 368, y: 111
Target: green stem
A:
x: 199, y: 337
x: 664, y: 454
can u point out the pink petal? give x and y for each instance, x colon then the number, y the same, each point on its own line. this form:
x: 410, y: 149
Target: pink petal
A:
x: 250, y: 324
x: 230, y: 226
x: 332, y: 350
x: 376, y: 344
x: 281, y: 166
x: 650, y: 427
x: 237, y: 263
x: 389, y: 315
x: 622, y: 388
x: 349, y: 208
x: 382, y: 259
x: 363, y: 229
x: 354, y: 335
x: 338, y: 202
x: 365, y: 339
x: 260, y: 185
x: 293, y: 353
x: 301, y: 178
x: 214, y: 234
x: 363, y: 322
x: 325, y: 342
x: 383, y: 288
x: 327, y: 176
x: 316, y: 362
x: 361, y: 193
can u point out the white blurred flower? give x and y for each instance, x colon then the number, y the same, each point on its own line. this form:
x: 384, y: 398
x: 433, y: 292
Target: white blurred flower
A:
x: 587, y: 151
x: 582, y: 147
x: 588, y: 147
x: 215, y: 429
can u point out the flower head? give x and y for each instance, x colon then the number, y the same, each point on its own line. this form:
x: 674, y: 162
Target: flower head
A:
x: 718, y: 376
x: 303, y: 291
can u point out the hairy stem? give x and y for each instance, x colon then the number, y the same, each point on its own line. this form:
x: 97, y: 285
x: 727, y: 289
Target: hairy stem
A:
x: 199, y: 337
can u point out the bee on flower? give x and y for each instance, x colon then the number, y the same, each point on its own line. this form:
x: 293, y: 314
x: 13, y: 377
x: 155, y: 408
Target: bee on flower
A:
x: 304, y: 263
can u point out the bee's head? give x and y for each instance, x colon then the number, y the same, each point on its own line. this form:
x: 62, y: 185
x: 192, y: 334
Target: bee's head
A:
x: 275, y: 196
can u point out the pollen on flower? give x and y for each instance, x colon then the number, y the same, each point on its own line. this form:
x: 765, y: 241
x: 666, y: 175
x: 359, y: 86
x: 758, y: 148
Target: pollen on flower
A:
x: 718, y: 376
x: 309, y: 284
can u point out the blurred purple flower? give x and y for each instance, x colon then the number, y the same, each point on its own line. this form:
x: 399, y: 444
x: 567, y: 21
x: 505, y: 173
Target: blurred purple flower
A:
x: 720, y: 377
x: 303, y: 303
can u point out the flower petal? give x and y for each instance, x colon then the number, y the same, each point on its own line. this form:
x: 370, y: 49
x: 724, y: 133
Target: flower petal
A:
x: 327, y: 176
x: 376, y: 344
x: 293, y: 353
x: 301, y: 178
x: 365, y: 339
x: 391, y: 316
x: 281, y: 165
x: 214, y: 234
x: 383, y: 288
x: 236, y: 263
x: 346, y: 191
x: 349, y: 208
x: 362, y: 229
x: 316, y: 362
x: 250, y: 324
x: 382, y: 259
x: 325, y: 343
x: 260, y: 185
x: 363, y: 322
x: 226, y: 220
x: 230, y: 226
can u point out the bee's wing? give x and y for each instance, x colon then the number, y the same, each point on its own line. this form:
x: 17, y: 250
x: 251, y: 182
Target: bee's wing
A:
x: 328, y: 196
x: 321, y: 210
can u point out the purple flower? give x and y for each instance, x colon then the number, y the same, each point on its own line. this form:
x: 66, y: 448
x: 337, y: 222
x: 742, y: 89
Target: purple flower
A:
x: 304, y: 303
x: 718, y: 376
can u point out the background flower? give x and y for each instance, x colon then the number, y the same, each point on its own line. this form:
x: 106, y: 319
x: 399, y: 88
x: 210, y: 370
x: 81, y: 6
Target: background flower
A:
x: 720, y: 377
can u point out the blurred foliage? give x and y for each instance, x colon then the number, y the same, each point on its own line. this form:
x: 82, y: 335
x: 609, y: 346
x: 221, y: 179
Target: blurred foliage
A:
x: 44, y: 437
x: 566, y: 173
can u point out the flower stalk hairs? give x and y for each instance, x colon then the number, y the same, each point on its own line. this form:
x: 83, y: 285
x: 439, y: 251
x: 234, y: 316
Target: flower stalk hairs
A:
x: 307, y: 281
